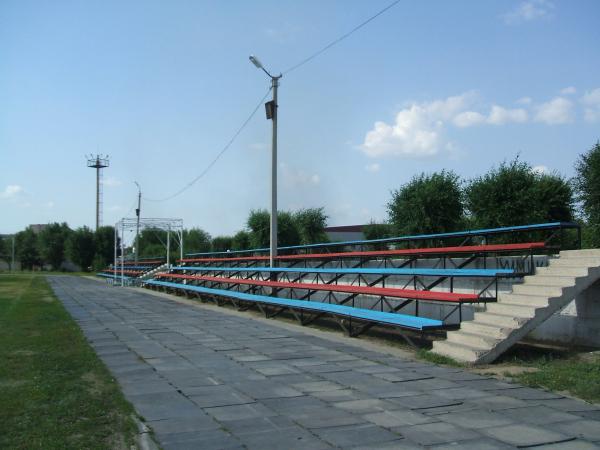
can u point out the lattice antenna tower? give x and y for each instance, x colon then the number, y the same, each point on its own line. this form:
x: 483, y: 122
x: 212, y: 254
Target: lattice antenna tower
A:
x: 98, y: 162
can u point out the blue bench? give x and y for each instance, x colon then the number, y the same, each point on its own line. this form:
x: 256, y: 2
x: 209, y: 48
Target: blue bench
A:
x: 385, y: 318
x: 472, y: 273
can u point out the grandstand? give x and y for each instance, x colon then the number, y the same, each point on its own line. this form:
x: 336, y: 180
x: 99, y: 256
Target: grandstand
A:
x: 418, y: 285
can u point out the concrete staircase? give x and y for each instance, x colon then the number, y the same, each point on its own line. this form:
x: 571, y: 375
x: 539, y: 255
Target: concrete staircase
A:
x: 151, y: 273
x: 514, y: 315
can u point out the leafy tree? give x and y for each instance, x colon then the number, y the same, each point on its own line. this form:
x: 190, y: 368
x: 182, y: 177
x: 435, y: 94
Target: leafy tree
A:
x: 27, y: 249
x: 311, y: 223
x: 52, y: 241
x: 196, y: 240
x: 513, y: 194
x: 287, y: 229
x: 427, y: 204
x: 241, y: 240
x: 6, y: 250
x: 81, y: 247
x: 104, y: 241
x: 259, y: 224
x: 377, y: 230
x: 587, y: 185
x: 222, y: 243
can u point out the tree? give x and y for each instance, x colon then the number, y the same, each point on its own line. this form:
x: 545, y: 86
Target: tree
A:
x: 52, y: 241
x: 196, y: 240
x: 241, y: 240
x: 587, y: 185
x: 259, y: 224
x: 222, y: 243
x: 27, y: 249
x: 287, y: 229
x: 81, y: 247
x: 377, y: 231
x: 513, y: 194
x: 104, y: 242
x: 427, y: 204
x: 311, y: 223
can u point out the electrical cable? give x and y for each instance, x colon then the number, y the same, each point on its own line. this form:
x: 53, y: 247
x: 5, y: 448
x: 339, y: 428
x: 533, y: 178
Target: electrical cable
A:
x: 214, y: 161
x: 341, y: 38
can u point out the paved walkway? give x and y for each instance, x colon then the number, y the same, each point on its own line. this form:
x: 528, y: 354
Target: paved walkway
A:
x: 206, y: 379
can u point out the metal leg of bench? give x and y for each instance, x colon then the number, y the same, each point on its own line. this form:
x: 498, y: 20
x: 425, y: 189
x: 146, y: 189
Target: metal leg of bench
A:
x: 262, y: 310
x: 275, y: 314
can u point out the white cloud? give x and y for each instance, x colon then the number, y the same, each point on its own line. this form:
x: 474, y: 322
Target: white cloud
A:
x: 591, y: 102
x: 524, y: 101
x: 568, y: 90
x: 11, y: 191
x: 468, y: 119
x: 111, y: 182
x: 500, y: 116
x: 540, y: 169
x: 293, y: 178
x: 258, y: 146
x: 559, y: 110
x: 417, y: 130
x: 374, y: 167
x: 49, y: 204
x: 529, y: 10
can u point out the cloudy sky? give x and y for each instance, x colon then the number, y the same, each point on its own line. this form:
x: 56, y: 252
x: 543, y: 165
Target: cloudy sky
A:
x: 163, y: 86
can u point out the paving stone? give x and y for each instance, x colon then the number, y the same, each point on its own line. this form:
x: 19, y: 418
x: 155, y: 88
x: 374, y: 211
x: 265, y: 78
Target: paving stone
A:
x: 539, y: 415
x: 347, y: 436
x: 474, y: 444
x: 478, y: 418
x: 461, y: 393
x: 294, y: 438
x: 294, y: 406
x: 272, y: 424
x: 570, y: 445
x: 525, y: 435
x: 199, y: 422
x: 401, y: 376
x: 394, y: 419
x: 338, y: 395
x: 317, y: 386
x: 497, y: 402
x: 365, y: 406
x: 236, y: 412
x: 425, y: 401
x: 209, y: 396
x: 196, y: 440
x: 585, y: 429
x: 524, y: 393
x: 436, y: 433
x: 328, y: 417
x: 266, y: 389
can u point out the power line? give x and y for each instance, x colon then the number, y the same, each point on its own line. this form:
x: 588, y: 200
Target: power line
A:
x: 341, y: 38
x: 214, y: 161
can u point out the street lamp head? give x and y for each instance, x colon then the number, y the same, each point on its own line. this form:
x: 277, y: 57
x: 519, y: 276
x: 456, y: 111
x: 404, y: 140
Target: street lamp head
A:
x: 256, y: 62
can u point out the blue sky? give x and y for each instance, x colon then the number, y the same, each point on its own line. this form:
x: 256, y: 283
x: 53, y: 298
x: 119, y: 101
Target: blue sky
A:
x: 162, y: 86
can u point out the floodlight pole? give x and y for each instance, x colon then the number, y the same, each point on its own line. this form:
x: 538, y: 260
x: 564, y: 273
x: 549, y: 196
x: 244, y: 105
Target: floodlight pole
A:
x: 273, y: 240
x: 272, y: 114
x: 137, y: 227
x: 115, y: 256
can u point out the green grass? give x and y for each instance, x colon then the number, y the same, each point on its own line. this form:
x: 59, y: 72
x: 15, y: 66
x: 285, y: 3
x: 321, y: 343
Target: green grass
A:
x: 427, y: 355
x: 559, y: 371
x: 54, y: 391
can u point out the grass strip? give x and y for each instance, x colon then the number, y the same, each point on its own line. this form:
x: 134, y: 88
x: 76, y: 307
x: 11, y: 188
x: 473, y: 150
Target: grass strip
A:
x: 55, y: 393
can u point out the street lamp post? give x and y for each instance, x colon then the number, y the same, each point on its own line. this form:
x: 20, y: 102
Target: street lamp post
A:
x: 271, y: 108
x: 137, y: 227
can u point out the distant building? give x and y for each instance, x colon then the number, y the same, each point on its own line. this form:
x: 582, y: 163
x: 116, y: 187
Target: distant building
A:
x: 38, y: 227
x: 345, y: 233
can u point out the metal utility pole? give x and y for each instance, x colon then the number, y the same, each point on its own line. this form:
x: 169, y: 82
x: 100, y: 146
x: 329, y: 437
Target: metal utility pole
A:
x: 137, y: 227
x: 98, y: 162
x: 12, y: 258
x: 271, y: 109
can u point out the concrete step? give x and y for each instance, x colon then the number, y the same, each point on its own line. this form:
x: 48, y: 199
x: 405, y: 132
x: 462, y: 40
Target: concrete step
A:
x: 586, y: 253
x: 492, y: 331
x: 575, y: 262
x: 562, y: 271
x: 500, y: 320
x: 472, y: 339
x: 539, y: 301
x: 459, y: 352
x: 508, y: 309
x: 544, y: 280
x: 530, y: 289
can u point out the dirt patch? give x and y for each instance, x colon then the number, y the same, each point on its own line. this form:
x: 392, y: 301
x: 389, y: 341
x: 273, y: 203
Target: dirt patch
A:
x: 47, y: 299
x: 504, y: 371
x: 24, y: 353
x: 11, y: 383
x: 94, y: 383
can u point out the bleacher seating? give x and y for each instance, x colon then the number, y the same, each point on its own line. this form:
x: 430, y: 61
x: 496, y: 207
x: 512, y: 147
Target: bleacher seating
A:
x: 362, y: 281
